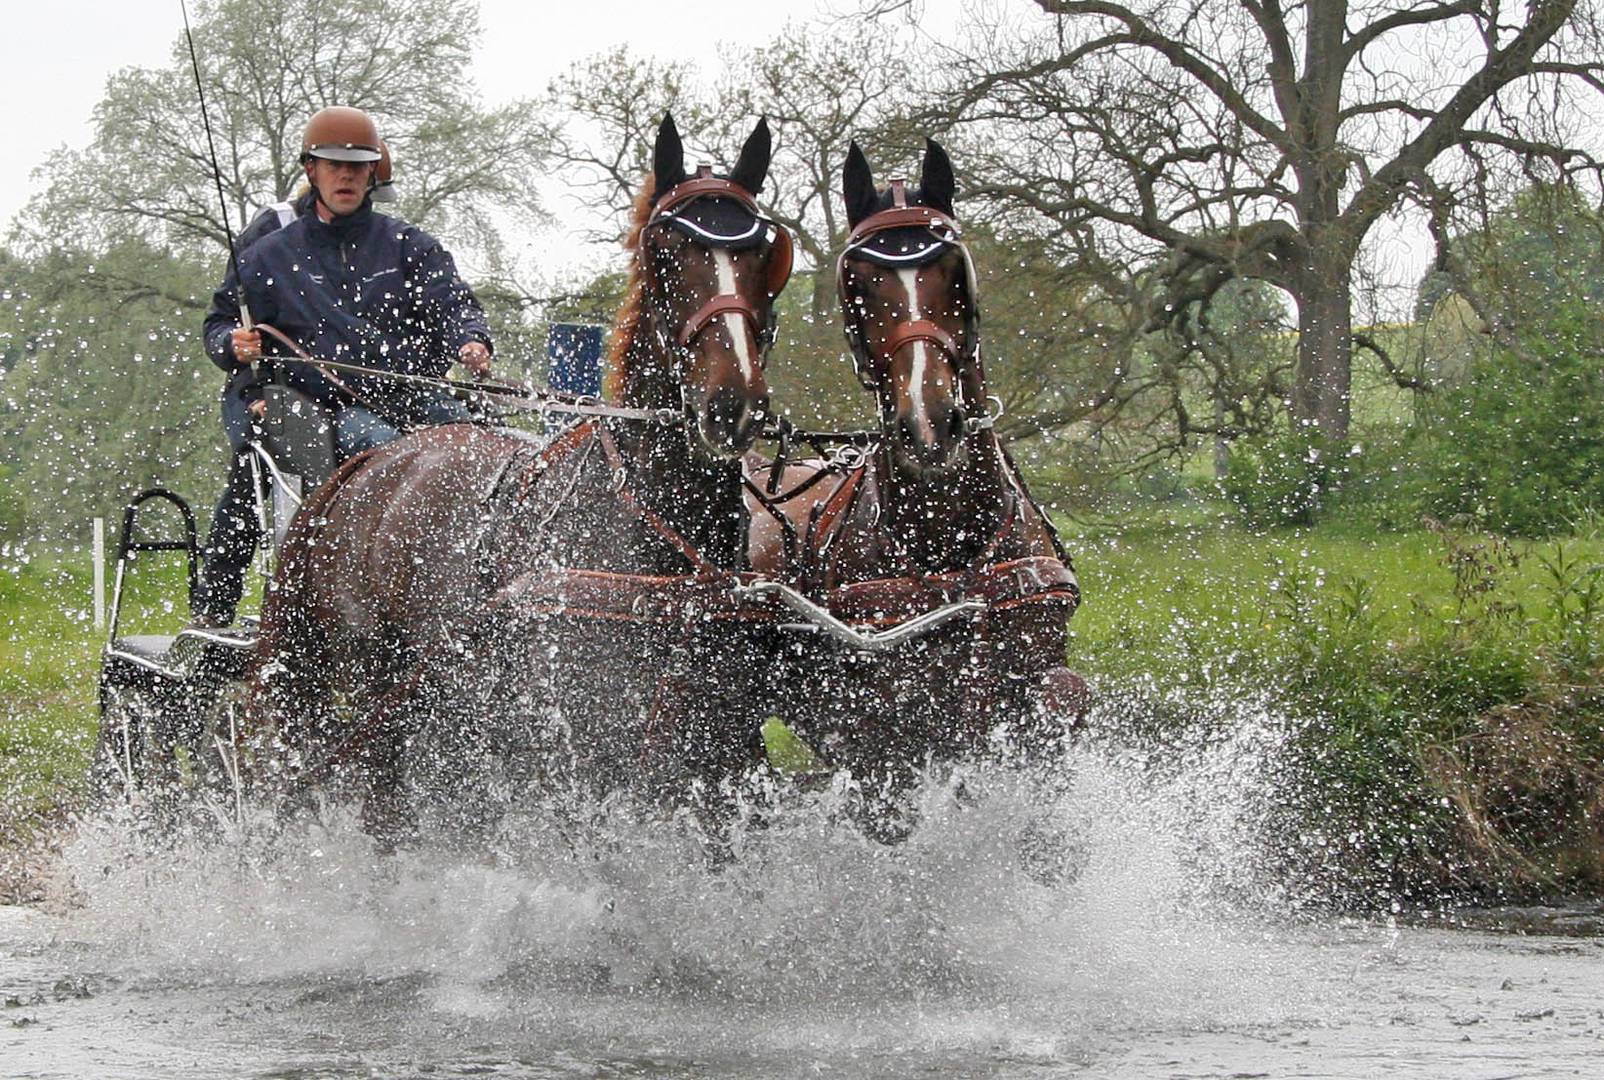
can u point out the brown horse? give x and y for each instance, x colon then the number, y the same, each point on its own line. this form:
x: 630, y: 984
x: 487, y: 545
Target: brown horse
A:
x: 493, y: 608
x: 936, y: 514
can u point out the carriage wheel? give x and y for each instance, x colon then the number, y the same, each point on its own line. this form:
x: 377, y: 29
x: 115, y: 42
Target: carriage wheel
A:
x: 133, y: 757
x: 162, y: 745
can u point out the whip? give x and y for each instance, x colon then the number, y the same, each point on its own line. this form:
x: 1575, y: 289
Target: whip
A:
x: 217, y: 172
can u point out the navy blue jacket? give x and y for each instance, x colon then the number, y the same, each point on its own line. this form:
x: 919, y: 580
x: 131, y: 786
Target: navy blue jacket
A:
x: 364, y: 289
x: 222, y: 318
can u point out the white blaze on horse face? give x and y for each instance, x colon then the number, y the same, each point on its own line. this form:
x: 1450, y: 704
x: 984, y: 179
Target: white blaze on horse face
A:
x: 726, y: 284
x: 916, y: 377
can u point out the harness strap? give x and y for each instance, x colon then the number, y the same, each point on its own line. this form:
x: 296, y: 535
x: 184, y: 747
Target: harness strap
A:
x: 723, y: 303
x: 637, y: 598
x: 906, y: 333
x: 661, y: 527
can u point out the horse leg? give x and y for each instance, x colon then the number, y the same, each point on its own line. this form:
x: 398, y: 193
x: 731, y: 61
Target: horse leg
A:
x: 286, y: 713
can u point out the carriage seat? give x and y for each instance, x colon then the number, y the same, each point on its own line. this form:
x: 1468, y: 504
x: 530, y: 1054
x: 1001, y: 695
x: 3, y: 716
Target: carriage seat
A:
x: 299, y: 434
x: 150, y: 647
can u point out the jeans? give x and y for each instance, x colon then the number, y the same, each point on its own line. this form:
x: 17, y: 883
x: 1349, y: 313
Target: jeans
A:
x: 358, y: 428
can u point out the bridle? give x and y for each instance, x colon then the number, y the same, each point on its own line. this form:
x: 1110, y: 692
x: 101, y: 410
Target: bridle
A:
x: 671, y: 207
x: 900, y: 215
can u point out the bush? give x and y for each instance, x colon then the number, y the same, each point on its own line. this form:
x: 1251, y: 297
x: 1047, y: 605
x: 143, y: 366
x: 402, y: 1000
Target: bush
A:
x: 13, y: 508
x: 1519, y: 448
x: 1278, y: 480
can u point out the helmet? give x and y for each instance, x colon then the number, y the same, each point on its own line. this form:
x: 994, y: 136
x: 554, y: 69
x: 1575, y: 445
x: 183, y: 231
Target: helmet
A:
x: 383, y: 185
x: 341, y: 133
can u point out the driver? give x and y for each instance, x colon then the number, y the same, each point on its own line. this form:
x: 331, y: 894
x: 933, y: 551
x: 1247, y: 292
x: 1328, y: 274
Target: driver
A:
x: 356, y: 287
x: 333, y: 135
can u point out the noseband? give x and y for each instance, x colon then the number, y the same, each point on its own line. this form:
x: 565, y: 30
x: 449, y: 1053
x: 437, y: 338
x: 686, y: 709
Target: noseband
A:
x: 899, y: 215
x: 704, y: 185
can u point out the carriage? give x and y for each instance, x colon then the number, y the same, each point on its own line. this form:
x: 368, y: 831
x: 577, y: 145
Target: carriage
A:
x: 168, y: 702
x: 757, y: 586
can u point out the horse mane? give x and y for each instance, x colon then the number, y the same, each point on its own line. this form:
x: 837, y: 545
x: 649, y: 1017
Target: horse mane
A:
x: 627, y: 322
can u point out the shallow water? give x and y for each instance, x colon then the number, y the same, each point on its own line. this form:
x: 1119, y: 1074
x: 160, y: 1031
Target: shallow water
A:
x: 1170, y: 951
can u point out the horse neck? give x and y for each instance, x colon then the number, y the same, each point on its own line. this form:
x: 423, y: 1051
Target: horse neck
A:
x: 700, y: 498
x: 946, y: 520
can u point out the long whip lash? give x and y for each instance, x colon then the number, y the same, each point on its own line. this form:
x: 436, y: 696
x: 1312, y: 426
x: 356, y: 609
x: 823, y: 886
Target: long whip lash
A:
x: 217, y: 171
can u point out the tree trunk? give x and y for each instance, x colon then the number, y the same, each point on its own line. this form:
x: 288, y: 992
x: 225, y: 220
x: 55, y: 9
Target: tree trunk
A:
x: 1320, y: 393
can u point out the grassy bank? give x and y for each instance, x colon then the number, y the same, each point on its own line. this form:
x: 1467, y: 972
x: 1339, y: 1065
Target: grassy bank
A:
x: 49, y: 666
x: 1445, y: 689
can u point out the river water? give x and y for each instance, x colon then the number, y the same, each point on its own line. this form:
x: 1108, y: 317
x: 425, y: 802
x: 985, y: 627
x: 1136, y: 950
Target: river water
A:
x: 1168, y: 951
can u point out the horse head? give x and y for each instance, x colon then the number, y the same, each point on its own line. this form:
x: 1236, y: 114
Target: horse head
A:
x: 708, y: 266
x: 907, y: 289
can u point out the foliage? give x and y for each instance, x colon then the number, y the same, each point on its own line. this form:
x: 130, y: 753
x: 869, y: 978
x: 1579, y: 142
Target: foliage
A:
x: 110, y: 393
x: 1280, y: 479
x: 1443, y: 689
x: 1520, y: 445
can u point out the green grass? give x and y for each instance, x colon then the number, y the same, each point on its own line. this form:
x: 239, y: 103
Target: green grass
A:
x: 49, y: 667
x: 1448, y: 687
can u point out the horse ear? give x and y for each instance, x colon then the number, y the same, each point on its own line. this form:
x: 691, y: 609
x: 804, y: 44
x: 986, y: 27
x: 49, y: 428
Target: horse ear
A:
x: 753, y: 165
x: 668, y: 157
x: 936, y: 184
x: 857, y: 185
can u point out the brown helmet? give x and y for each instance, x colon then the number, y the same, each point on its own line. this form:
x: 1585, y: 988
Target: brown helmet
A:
x: 341, y: 133
x: 383, y: 181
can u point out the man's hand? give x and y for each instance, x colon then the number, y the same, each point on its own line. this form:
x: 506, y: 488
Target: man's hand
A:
x: 476, y: 358
x: 258, y: 408
x: 247, y: 346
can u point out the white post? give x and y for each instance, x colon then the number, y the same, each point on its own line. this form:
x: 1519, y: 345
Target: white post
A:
x: 100, y: 573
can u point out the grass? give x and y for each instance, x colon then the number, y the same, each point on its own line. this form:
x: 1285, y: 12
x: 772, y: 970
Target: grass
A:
x: 49, y: 667
x: 1447, y: 686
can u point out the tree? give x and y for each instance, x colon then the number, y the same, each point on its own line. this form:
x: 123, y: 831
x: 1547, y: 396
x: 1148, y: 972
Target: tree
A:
x: 1245, y: 139
x: 267, y: 65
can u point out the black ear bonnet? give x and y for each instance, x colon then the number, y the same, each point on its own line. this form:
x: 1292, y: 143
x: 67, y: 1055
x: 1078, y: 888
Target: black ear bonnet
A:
x: 718, y: 221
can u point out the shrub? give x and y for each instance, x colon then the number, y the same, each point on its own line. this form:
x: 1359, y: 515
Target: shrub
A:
x: 1279, y: 480
x: 1520, y: 446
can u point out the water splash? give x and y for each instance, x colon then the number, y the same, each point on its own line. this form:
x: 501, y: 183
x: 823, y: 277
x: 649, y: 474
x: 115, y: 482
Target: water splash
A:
x: 962, y: 939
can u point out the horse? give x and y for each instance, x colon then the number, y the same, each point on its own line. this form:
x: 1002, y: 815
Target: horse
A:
x: 493, y: 606
x: 935, y: 517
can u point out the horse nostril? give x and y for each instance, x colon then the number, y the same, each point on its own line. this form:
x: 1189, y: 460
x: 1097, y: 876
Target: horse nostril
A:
x: 733, y: 416
x: 955, y: 423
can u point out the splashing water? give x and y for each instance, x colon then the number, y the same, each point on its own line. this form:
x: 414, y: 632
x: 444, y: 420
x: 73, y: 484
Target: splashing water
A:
x: 548, y: 952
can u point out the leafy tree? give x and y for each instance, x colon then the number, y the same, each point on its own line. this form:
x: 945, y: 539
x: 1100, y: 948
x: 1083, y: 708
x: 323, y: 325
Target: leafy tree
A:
x: 105, y: 395
x: 267, y: 65
x: 1248, y: 139
x: 1519, y: 446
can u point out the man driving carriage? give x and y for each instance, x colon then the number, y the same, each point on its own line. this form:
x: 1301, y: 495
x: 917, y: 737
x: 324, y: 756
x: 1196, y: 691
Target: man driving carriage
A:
x: 349, y: 286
